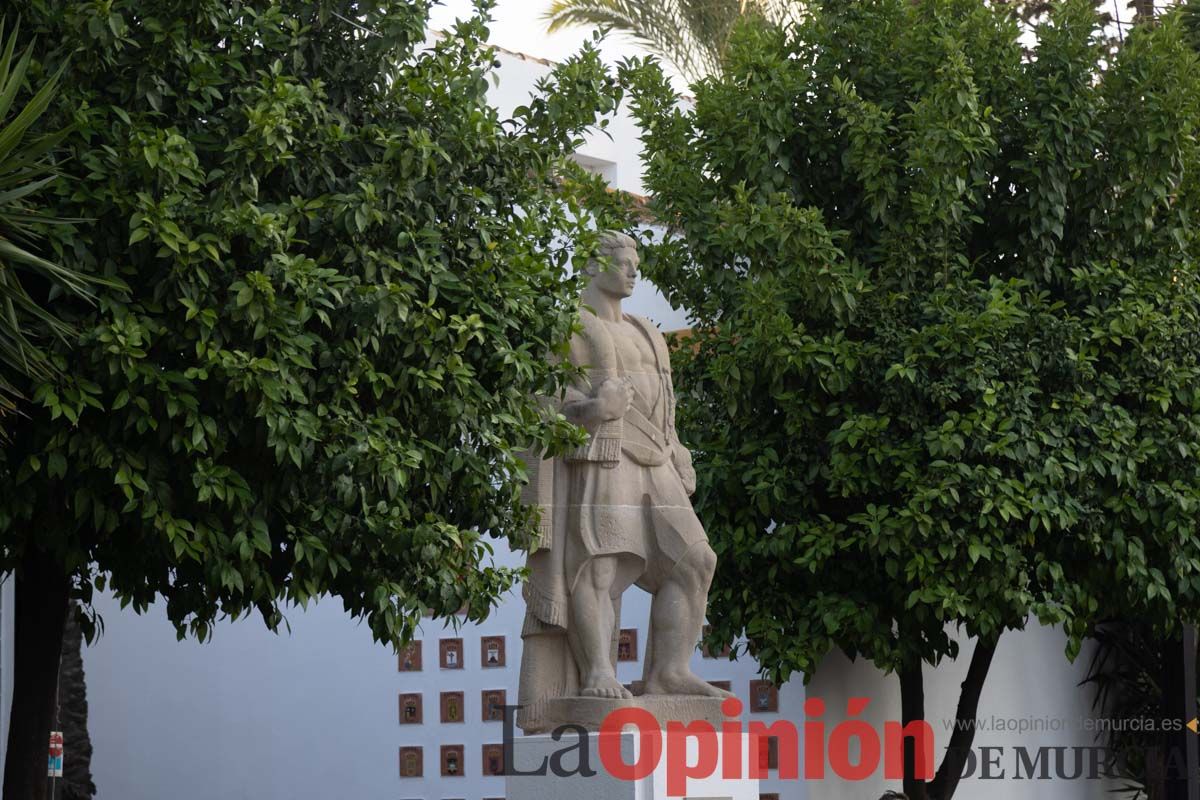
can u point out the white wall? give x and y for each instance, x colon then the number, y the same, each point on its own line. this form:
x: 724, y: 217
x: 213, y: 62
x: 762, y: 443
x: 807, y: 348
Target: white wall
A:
x: 7, y: 631
x: 310, y: 714
x: 248, y: 715
x: 1030, y: 679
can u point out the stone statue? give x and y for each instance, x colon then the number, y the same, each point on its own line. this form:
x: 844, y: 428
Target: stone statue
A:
x: 614, y: 513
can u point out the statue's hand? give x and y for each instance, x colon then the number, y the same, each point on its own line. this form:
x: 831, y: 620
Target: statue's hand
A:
x: 682, y: 459
x: 689, y: 480
x: 614, y: 398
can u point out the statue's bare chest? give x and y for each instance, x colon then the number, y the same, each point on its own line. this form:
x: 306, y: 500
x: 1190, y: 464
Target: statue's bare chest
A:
x: 635, y: 354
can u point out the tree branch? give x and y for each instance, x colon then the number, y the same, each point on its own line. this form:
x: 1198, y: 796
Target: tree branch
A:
x: 949, y: 773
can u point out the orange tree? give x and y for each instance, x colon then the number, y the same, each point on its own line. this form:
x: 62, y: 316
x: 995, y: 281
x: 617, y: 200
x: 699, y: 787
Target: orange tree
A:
x: 345, y: 273
x: 944, y: 367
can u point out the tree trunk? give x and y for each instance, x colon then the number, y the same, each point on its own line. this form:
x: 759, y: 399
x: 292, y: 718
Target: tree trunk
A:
x: 912, y: 709
x: 77, y: 783
x: 950, y: 772
x: 42, y: 600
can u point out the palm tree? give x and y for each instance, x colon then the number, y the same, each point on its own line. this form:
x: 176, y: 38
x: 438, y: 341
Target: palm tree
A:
x: 24, y: 170
x: 690, y: 34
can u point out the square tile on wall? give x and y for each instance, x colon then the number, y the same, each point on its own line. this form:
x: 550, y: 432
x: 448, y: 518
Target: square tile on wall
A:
x: 411, y: 712
x: 452, y: 761
x: 491, y: 652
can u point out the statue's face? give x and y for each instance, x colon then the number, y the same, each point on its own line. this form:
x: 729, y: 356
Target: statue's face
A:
x: 619, y: 275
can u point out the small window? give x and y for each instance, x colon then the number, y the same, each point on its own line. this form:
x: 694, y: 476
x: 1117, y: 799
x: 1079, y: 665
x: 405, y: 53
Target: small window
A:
x: 410, y: 709
x: 493, y: 705
x: 491, y: 652
x: 411, y: 762
x: 627, y: 645
x: 452, y: 706
x: 410, y: 657
x: 768, y: 754
x: 451, y: 653
x: 452, y: 760
x: 764, y: 697
x: 493, y: 759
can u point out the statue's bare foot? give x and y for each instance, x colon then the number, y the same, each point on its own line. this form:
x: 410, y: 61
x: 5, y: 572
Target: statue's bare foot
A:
x: 604, y: 686
x: 683, y: 683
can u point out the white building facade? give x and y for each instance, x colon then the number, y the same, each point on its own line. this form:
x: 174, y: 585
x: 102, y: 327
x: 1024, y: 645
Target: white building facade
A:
x: 7, y: 634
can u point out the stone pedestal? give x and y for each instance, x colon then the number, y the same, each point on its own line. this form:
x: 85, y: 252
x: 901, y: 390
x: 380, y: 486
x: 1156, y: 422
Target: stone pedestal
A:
x: 590, y: 712
x: 533, y: 753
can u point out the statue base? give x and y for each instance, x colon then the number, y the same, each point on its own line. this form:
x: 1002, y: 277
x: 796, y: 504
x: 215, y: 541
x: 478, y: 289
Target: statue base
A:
x: 590, y: 712
x: 544, y: 768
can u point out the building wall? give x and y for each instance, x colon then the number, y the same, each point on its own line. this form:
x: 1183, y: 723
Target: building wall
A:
x: 1030, y: 682
x: 7, y: 631
x: 314, y: 712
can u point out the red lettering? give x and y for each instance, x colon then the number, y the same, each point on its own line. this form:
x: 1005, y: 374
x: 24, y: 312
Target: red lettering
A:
x: 678, y: 768
x: 649, y: 749
x: 731, y: 739
x: 814, y: 740
x: 921, y: 734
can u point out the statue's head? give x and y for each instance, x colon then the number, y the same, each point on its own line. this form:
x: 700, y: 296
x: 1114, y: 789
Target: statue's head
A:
x: 614, y: 270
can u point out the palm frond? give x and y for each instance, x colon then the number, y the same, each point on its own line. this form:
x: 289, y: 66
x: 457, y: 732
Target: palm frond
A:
x: 691, y: 34
x: 24, y: 171
x: 1124, y: 673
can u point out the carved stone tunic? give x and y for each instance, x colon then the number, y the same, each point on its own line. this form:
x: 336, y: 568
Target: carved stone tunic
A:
x: 639, y: 505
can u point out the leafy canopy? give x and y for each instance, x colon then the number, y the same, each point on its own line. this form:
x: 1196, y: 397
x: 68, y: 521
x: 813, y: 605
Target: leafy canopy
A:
x: 945, y: 363
x: 346, y: 274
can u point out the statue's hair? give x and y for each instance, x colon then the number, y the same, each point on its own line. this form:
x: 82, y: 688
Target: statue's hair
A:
x: 611, y: 242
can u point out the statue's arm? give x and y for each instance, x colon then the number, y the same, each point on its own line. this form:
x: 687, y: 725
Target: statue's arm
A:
x: 610, y: 402
x: 681, y: 457
x: 590, y: 407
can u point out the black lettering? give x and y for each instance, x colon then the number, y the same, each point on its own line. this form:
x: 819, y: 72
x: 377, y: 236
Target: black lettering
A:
x: 1039, y: 761
x: 989, y: 757
x: 969, y: 763
x: 1176, y: 764
x: 583, y: 764
x: 510, y: 767
x: 1060, y: 763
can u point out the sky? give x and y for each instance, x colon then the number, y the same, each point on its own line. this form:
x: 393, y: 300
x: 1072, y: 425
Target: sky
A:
x: 518, y: 25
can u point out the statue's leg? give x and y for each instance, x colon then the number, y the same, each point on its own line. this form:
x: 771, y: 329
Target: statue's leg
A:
x: 676, y: 621
x: 593, y: 617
